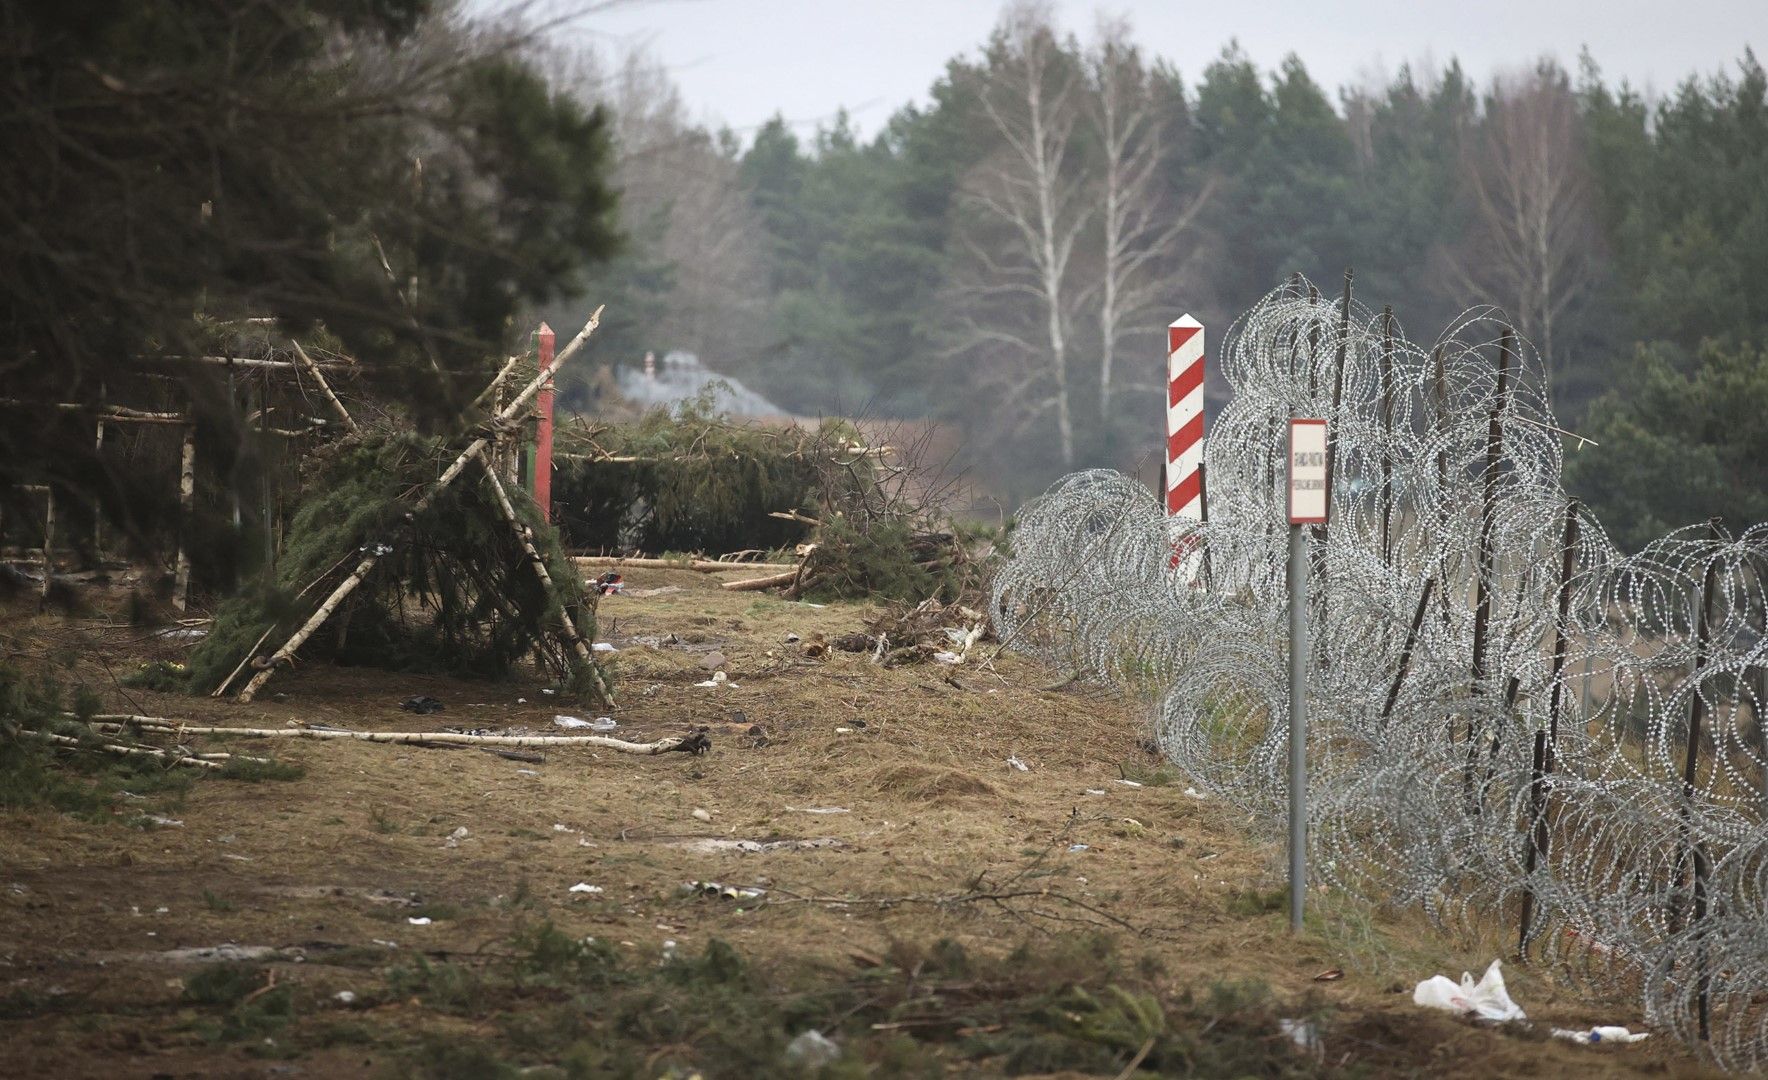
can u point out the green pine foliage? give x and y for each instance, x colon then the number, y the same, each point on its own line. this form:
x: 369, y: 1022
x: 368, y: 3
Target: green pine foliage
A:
x: 455, y: 593
x: 699, y: 483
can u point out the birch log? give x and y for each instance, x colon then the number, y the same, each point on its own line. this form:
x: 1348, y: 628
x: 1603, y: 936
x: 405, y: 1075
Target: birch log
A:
x: 567, y: 627
x: 268, y: 666
x: 694, y: 743
x: 754, y: 584
x: 131, y: 751
x: 701, y: 566
x: 325, y: 388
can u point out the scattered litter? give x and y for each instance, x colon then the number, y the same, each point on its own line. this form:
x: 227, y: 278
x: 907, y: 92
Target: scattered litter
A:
x: 1302, y: 1033
x: 1078, y: 847
x: 583, y: 841
x: 1195, y: 794
x: 1330, y: 975
x: 610, y: 583
x: 562, y: 828
x: 570, y: 722
x: 585, y: 887
x: 723, y: 891
x: 701, y: 814
x: 812, y: 1050
x: 235, y: 858
x: 1487, y: 999
x: 944, y: 657
x: 422, y: 705
x: 713, y: 844
x: 548, y: 691
x: 1095, y: 791
x: 163, y: 822
x: 188, y: 633
x: 385, y: 944
x: 791, y: 638
x: 419, y: 920
x: 344, y: 997
x: 818, y: 810
x: 844, y: 731
x: 718, y: 679
x: 455, y: 837
x: 1128, y: 783
x: 1017, y: 765
x: 1601, y: 1035
x: 602, y: 646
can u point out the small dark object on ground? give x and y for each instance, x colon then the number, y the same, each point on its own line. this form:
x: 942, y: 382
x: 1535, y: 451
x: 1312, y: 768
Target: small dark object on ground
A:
x: 855, y: 643
x: 422, y: 705
x: 696, y: 742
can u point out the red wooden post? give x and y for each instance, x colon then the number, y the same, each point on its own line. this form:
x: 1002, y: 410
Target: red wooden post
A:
x: 543, y: 438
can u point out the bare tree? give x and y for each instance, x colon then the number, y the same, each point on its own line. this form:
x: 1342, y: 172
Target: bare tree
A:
x: 682, y: 196
x: 1534, y: 236
x: 1031, y: 206
x: 1139, y: 227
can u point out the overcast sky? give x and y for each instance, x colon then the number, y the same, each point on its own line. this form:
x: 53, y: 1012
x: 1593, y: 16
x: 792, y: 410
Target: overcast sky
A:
x: 740, y: 61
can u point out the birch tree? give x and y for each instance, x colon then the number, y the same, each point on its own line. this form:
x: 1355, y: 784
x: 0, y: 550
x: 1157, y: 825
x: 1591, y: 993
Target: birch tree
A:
x: 1028, y: 206
x: 1533, y: 243
x: 1140, y: 228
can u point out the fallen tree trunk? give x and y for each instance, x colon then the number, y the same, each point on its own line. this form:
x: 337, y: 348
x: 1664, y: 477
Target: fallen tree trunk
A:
x: 129, y: 751
x: 754, y: 584
x: 702, y: 566
x: 692, y: 743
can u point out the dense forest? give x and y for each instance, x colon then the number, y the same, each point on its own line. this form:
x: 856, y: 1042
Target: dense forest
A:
x: 999, y: 258
x: 1003, y: 257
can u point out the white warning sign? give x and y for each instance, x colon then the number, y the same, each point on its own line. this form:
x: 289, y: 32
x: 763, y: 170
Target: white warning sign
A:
x: 1307, y: 472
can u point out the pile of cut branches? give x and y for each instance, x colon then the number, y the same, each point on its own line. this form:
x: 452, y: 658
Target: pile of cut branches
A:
x: 688, y: 480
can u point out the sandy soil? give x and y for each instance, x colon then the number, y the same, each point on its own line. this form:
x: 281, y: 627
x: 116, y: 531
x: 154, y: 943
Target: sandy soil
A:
x: 328, y: 870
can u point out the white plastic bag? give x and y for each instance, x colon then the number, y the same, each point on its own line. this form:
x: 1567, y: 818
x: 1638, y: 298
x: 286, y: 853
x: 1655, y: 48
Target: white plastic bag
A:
x: 1486, y: 999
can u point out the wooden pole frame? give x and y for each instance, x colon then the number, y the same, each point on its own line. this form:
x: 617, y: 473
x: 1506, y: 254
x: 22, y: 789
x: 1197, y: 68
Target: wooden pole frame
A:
x: 267, y: 666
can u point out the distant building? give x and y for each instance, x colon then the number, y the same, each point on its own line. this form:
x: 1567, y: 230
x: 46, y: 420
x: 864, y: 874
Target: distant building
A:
x: 681, y: 377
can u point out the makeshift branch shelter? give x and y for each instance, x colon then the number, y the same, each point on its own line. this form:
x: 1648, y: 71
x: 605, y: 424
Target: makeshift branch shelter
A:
x: 405, y: 567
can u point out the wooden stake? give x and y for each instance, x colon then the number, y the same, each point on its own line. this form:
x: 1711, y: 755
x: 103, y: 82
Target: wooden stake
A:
x: 268, y: 666
x: 325, y: 388
x: 1547, y: 743
x: 1387, y: 432
x: 1486, y: 570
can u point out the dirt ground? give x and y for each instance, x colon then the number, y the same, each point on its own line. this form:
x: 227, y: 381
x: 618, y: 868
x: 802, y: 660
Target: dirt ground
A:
x: 914, y: 828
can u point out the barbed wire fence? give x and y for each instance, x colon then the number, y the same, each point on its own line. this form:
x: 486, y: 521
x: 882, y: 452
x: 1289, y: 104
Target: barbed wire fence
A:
x: 1512, y: 722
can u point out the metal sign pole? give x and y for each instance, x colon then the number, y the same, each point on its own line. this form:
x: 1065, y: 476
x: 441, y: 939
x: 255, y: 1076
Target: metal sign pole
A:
x: 1298, y: 724
x: 1309, y: 504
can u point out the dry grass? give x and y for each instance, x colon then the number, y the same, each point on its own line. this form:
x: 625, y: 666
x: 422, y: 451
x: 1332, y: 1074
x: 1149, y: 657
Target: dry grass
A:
x: 327, y: 867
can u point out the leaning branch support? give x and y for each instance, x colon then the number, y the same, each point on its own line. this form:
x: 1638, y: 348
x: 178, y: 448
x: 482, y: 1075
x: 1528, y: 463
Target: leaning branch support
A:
x: 693, y: 743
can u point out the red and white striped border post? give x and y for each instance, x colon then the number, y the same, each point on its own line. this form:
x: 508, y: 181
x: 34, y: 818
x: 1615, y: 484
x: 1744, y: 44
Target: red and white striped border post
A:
x: 1184, y: 428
